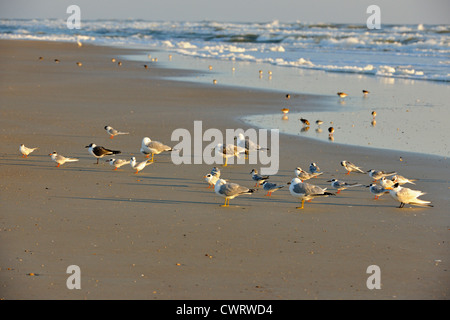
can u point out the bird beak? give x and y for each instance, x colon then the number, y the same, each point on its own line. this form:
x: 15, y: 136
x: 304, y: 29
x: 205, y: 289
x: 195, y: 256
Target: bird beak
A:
x: 367, y: 186
x: 389, y: 188
x: 288, y: 183
x: 328, y: 180
x: 87, y: 147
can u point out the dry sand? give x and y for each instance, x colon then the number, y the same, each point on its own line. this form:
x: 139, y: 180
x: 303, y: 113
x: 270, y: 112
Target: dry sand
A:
x: 161, y: 234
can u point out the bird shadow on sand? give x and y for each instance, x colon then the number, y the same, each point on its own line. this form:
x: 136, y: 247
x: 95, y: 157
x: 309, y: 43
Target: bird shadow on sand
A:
x: 145, y: 201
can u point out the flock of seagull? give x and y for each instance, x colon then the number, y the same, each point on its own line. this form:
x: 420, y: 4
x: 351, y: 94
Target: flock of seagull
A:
x: 390, y: 182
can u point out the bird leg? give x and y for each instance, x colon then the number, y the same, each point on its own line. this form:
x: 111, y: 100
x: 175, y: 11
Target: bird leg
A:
x: 401, y: 205
x: 339, y: 191
x: 226, y: 203
x: 226, y: 162
x: 58, y: 165
x: 303, y: 202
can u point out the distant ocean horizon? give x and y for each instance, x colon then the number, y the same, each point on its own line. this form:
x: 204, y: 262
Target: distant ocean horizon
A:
x: 418, y: 52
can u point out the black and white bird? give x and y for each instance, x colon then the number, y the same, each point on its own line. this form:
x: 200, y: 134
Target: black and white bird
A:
x: 230, y: 190
x: 271, y: 187
x: 215, y: 172
x: 350, y: 167
x: 305, y: 191
x: 377, y: 190
x: 408, y: 196
x: 99, y: 151
x: 259, y: 179
x: 342, y: 185
x: 401, y: 180
x: 211, y: 180
x: 113, y: 132
x: 314, y: 168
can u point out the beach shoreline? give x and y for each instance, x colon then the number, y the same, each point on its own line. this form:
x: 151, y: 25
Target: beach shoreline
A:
x: 161, y: 234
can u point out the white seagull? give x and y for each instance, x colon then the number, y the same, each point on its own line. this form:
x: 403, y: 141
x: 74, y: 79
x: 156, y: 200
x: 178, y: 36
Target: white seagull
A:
x: 342, y: 185
x: 271, y: 187
x: 248, y: 144
x: 117, y: 163
x: 350, y: 167
x: 59, y: 159
x: 228, y: 151
x: 303, y: 175
x: 306, y: 191
x: 153, y: 147
x: 99, y: 151
x: 113, y: 132
x: 25, y: 151
x: 384, y: 182
x: 407, y: 196
x: 139, y: 166
x: 230, y: 190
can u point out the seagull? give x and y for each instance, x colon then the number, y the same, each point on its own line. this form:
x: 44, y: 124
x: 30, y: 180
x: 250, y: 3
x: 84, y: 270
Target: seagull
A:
x: 350, y: 167
x: 100, y: 152
x: 342, y: 185
x: 117, y: 163
x: 230, y: 150
x: 26, y: 151
x: 384, y: 182
x: 303, y: 175
x: 401, y: 180
x: 314, y: 168
x: 306, y: 191
x: 407, y: 196
x: 271, y: 187
x: 377, y: 190
x: 61, y: 159
x: 378, y: 174
x: 113, y: 132
x: 342, y: 94
x: 153, y: 147
x: 230, y: 190
x: 247, y: 144
x: 211, y: 179
x: 304, y: 121
x: 258, y: 178
x: 139, y: 166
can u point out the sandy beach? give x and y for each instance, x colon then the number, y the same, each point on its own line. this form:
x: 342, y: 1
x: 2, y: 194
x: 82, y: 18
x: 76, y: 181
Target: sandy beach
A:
x: 161, y: 234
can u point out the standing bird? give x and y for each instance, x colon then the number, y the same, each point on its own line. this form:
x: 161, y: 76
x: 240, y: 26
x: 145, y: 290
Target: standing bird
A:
x: 305, y: 191
x: 228, y: 151
x: 139, y: 166
x: 153, y: 147
x: 247, y: 144
x: 61, y: 159
x: 271, y: 187
x: 342, y: 185
x: 342, y: 94
x: 211, y: 179
x: 408, y: 196
x: 215, y: 172
x: 319, y: 122
x: 230, y: 190
x: 99, y: 151
x: 365, y: 92
x: 377, y: 190
x: 385, y: 183
x: 113, y: 132
x: 374, y: 114
x: 303, y: 175
x: 378, y: 174
x: 350, y: 167
x: 25, y: 151
x: 117, y: 163
x: 285, y: 110
x: 258, y: 178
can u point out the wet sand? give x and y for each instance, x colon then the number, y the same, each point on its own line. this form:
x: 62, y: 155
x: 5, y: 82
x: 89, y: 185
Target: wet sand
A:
x: 161, y: 234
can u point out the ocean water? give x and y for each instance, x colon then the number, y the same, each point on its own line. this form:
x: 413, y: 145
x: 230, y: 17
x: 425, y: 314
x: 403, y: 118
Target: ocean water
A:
x: 406, y: 68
